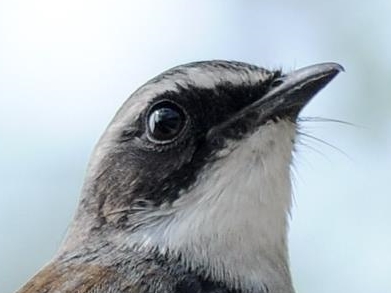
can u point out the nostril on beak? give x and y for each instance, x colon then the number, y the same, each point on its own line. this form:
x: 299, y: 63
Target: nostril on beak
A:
x: 276, y: 82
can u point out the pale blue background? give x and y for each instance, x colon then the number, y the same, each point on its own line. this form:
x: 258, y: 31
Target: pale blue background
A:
x: 66, y: 66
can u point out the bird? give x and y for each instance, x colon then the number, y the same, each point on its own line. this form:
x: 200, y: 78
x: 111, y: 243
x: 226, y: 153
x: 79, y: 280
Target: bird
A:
x: 189, y: 187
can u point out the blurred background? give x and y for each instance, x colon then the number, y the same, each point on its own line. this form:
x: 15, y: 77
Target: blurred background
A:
x: 66, y: 67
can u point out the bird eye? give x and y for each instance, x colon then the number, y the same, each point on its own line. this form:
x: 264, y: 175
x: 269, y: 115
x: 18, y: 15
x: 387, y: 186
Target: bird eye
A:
x: 165, y: 121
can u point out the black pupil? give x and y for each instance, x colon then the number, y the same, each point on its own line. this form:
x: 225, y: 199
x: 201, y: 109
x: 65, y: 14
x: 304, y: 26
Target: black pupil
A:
x: 165, y: 123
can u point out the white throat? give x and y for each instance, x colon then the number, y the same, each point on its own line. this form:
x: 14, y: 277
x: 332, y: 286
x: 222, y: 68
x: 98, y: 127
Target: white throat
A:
x: 233, y: 221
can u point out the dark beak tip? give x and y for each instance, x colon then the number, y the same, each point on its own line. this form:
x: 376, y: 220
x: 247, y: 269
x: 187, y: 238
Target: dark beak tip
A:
x: 321, y: 69
x: 325, y: 71
x: 330, y: 70
x: 339, y: 67
x: 332, y: 66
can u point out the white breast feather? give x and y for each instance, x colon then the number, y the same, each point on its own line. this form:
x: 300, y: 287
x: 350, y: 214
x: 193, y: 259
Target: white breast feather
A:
x: 233, y: 221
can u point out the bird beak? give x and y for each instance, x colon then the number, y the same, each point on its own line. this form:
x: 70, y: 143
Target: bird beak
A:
x: 291, y: 92
x: 286, y: 97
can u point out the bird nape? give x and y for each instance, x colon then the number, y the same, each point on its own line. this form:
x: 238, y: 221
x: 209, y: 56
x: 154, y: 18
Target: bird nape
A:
x: 189, y: 188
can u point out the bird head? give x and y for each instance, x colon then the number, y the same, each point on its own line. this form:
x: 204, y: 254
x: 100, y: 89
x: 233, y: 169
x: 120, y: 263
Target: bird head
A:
x: 196, y: 164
